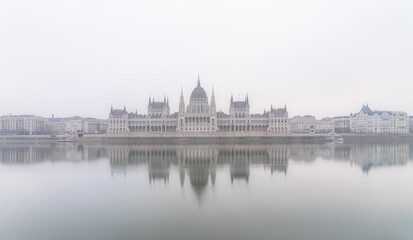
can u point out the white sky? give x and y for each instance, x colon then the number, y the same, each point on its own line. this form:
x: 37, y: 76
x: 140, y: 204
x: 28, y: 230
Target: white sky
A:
x: 324, y: 58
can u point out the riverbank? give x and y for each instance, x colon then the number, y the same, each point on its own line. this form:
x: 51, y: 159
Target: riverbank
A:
x: 284, y: 139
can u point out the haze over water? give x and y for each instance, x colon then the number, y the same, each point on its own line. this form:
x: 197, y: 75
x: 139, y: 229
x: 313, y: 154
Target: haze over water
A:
x: 71, y: 191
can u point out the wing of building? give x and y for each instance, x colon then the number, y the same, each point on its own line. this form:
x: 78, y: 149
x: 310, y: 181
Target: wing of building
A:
x: 368, y: 121
x: 198, y: 118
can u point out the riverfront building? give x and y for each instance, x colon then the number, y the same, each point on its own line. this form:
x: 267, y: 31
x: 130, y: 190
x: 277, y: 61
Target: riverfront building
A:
x: 22, y: 124
x: 198, y: 118
x: 368, y: 121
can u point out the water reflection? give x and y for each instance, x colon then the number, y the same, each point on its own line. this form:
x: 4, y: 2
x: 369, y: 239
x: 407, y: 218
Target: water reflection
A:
x: 199, y: 162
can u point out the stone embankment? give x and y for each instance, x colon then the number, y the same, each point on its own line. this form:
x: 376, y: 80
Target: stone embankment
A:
x: 227, y: 139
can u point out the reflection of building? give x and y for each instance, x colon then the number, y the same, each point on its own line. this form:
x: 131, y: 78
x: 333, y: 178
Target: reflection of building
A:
x: 239, y: 164
x: 158, y: 163
x: 198, y: 164
x: 368, y: 121
x: 118, y: 158
x: 377, y: 155
x: 198, y: 118
x: 278, y: 156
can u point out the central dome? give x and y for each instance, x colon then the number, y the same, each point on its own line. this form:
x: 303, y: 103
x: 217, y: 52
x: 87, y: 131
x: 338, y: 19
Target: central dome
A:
x: 199, y: 92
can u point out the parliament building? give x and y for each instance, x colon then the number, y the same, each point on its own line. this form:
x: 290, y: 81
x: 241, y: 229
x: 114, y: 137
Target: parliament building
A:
x: 199, y: 118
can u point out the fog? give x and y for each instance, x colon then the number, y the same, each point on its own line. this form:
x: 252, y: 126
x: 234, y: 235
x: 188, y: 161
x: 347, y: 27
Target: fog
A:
x: 324, y: 58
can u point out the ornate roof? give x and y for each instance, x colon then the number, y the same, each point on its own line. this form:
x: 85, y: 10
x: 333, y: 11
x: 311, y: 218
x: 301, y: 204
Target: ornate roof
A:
x: 280, y: 112
x: 118, y: 113
x: 240, y: 104
x: 222, y: 114
x: 157, y: 104
x: 199, y: 92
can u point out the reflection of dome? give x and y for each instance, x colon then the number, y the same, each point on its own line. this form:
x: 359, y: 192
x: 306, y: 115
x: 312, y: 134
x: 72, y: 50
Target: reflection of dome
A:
x: 198, y: 92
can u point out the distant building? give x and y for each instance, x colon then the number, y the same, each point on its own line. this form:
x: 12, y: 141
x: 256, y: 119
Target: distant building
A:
x: 368, y: 121
x: 342, y: 124
x: 118, y: 121
x: 325, y: 125
x: 305, y: 124
x: 94, y: 126
x: 56, y: 125
x: 22, y: 124
x: 73, y: 124
x: 200, y: 117
x: 411, y: 124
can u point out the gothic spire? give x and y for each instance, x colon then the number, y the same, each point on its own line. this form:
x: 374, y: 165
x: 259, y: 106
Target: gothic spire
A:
x: 181, y: 102
x: 213, y: 105
x: 199, y: 81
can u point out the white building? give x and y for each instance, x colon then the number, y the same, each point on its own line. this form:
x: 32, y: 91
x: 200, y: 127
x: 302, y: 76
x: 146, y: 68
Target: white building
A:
x: 56, y: 125
x: 325, y: 125
x: 342, y: 124
x: 22, y: 124
x: 73, y: 124
x: 306, y: 124
x: 411, y: 124
x: 198, y: 118
x: 368, y: 121
x: 94, y: 126
x: 118, y: 121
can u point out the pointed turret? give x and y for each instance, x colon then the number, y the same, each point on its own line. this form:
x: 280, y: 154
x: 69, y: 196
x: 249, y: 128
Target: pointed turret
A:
x: 124, y: 108
x: 213, y: 105
x: 111, y: 108
x: 199, y: 81
x: 182, y: 102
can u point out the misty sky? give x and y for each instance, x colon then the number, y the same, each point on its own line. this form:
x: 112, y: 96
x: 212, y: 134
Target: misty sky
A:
x: 324, y: 58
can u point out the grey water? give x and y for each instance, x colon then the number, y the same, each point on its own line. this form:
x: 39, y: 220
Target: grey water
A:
x: 329, y: 191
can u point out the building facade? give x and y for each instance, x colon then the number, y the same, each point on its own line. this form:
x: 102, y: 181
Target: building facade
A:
x: 22, y: 124
x: 325, y: 125
x: 368, y: 121
x: 342, y: 124
x: 198, y: 118
x: 94, y: 126
x: 411, y: 124
x: 305, y: 124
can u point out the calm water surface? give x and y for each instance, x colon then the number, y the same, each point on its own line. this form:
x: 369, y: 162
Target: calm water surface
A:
x: 70, y: 191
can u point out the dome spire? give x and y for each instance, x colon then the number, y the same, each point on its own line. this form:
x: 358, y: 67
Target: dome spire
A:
x: 199, y: 82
